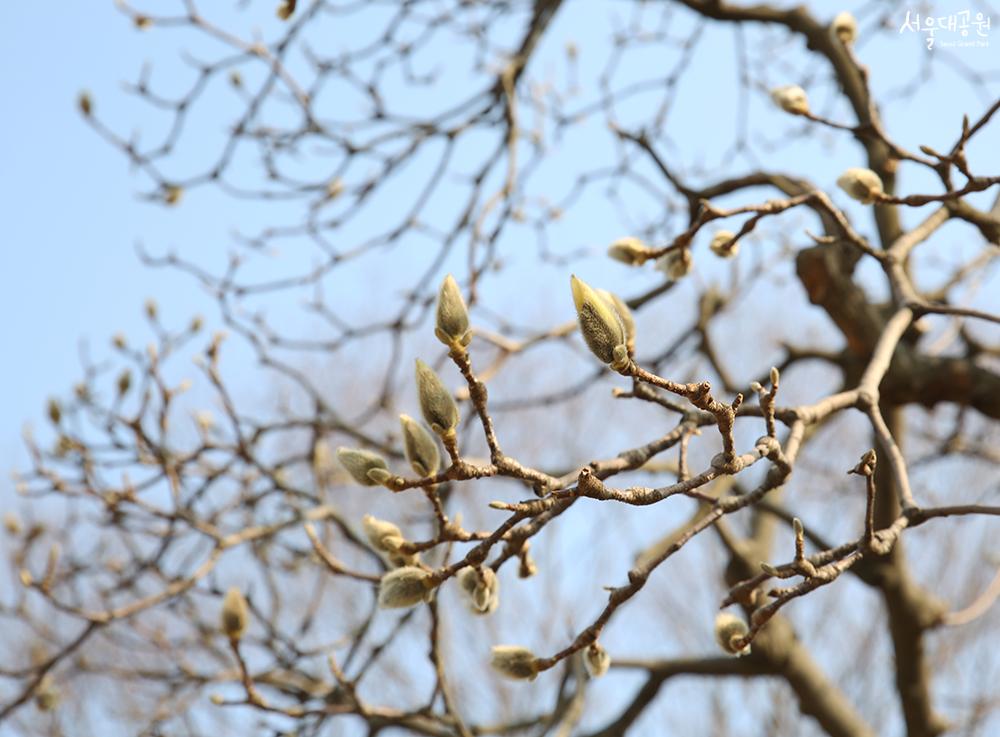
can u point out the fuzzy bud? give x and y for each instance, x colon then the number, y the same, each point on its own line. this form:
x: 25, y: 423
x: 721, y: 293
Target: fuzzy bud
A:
x: 387, y: 539
x: 844, y: 28
x: 436, y: 403
x: 482, y: 589
x: 597, y: 660
x: 861, y: 184
x: 359, y: 463
x: 452, y: 326
x: 172, y: 194
x: 11, y: 523
x: 676, y: 264
x: 404, y: 587
x: 624, y: 314
x: 631, y: 251
x: 235, y: 614
x: 600, y: 324
x: 728, y: 630
x: 514, y: 661
x: 791, y: 98
x: 46, y: 694
x: 421, y: 450
x: 723, y: 245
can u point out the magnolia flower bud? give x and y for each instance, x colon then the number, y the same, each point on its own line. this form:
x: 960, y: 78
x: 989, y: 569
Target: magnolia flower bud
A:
x: 728, y: 630
x: 844, y: 27
x: 597, y: 660
x: 359, y: 463
x: 452, y: 327
x: 861, y: 184
x: 600, y: 325
x: 46, y: 694
x: 482, y: 587
x: 676, y: 264
x: 234, y: 614
x: 723, y: 245
x: 631, y: 251
x: 514, y: 661
x: 387, y: 538
x: 436, y: 402
x: 791, y: 98
x: 421, y: 450
x: 624, y: 314
x: 11, y: 523
x: 404, y: 587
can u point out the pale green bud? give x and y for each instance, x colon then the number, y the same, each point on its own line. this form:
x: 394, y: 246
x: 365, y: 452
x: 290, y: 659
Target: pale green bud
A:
x: 481, y: 588
x: 404, y: 587
x: 235, y: 614
x: 597, y: 660
x: 452, y: 327
x: 676, y: 264
x: 728, y: 630
x: 421, y: 449
x: 514, y: 661
x: 791, y: 98
x: 600, y: 324
x: 387, y: 539
x: 844, y: 28
x: 631, y: 251
x: 861, y: 184
x: 624, y: 314
x: 723, y: 245
x: 359, y: 463
x: 436, y: 403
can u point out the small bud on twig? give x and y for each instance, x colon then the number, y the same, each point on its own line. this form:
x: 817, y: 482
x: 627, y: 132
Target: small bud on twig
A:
x: 791, y: 98
x: 421, y: 450
x: 844, y: 28
x: 723, y: 245
x: 404, y: 587
x: 600, y: 324
x: 452, y: 326
x: 514, y: 661
x: 235, y: 614
x: 481, y: 587
x: 861, y: 184
x: 729, y: 630
x: 436, y: 403
x: 631, y: 251
x: 596, y: 660
x: 360, y: 463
